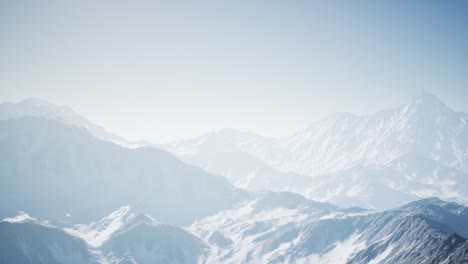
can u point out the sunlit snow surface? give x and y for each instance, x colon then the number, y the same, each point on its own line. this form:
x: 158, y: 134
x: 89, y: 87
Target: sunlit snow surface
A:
x: 377, y: 161
x: 20, y: 218
x: 269, y: 228
x: 96, y: 234
x: 282, y: 228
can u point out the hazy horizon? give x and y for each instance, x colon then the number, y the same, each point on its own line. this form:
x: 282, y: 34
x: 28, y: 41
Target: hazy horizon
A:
x: 124, y: 131
x: 164, y: 71
x: 408, y: 100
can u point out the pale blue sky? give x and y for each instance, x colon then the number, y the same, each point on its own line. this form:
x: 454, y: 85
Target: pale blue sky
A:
x: 166, y: 70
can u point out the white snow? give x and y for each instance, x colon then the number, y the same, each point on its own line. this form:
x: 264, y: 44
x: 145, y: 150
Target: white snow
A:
x: 398, y: 148
x: 20, y: 218
x: 95, y: 234
x: 382, y: 255
x: 340, y: 253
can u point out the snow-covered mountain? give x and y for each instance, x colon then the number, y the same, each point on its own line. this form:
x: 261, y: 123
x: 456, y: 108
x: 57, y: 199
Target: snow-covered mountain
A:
x: 124, y: 236
x: 130, y: 236
x: 425, y: 126
x: 269, y: 228
x: 41, y: 108
x: 27, y: 240
x: 50, y: 169
x: 97, y: 233
x: 382, y: 160
x: 55, y: 167
x: 147, y: 243
x: 287, y: 228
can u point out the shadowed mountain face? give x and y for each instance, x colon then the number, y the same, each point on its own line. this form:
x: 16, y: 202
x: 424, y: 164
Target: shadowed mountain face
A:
x: 269, y: 228
x: 146, y: 243
x: 50, y: 169
x: 124, y: 236
x: 32, y: 242
x: 378, y: 161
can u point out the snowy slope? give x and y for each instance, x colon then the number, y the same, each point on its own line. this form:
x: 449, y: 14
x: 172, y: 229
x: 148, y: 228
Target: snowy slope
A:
x: 149, y: 243
x: 283, y: 228
x: 382, y: 160
x: 27, y: 240
x: 269, y: 228
x: 425, y: 126
x: 124, y: 236
x: 382, y: 187
x: 130, y: 236
x: 97, y: 233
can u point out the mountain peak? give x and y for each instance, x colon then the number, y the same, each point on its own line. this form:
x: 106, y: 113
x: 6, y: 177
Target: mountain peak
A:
x: 427, y: 104
x: 36, y: 100
x: 126, y: 214
x: 426, y: 98
x: 428, y: 201
x: 35, y: 106
x: 22, y: 217
x: 233, y: 132
x: 125, y: 217
x: 40, y: 103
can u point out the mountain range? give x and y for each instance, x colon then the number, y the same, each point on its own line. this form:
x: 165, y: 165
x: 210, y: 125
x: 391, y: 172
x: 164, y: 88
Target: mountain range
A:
x: 376, y: 161
x: 47, y: 162
x: 268, y: 228
x: 348, y: 189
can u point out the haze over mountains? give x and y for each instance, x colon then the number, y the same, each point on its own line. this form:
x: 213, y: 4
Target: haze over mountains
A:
x: 47, y: 162
x: 41, y: 108
x: 87, y: 197
x: 417, y: 150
